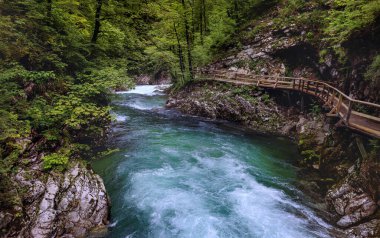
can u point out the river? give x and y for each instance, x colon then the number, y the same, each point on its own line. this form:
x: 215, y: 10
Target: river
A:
x: 183, y: 176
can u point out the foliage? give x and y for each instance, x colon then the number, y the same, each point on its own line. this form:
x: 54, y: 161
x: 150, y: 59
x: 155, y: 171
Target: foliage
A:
x: 310, y: 156
x: 265, y: 98
x: 315, y: 109
x: 55, y: 82
x: 55, y: 161
x: 373, y: 72
x: 348, y: 17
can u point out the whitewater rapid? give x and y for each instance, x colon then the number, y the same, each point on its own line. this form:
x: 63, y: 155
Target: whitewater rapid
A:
x: 177, y: 176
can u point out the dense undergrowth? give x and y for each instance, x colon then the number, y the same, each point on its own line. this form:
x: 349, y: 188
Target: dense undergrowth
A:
x: 55, y: 85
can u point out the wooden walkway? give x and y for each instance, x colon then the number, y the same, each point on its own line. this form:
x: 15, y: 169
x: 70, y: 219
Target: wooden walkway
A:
x: 361, y: 116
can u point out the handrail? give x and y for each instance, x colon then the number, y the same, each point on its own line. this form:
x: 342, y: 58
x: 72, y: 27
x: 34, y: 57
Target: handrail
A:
x: 341, y: 104
x: 305, y: 79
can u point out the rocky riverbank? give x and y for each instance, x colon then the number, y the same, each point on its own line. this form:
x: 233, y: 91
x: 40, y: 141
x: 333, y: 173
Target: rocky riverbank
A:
x: 71, y: 203
x: 334, y: 167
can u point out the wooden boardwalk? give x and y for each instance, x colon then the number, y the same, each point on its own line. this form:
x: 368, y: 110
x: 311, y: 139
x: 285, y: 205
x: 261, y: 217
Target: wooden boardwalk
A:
x: 361, y: 116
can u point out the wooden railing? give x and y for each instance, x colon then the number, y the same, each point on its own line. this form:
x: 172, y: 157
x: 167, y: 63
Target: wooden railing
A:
x: 358, y: 115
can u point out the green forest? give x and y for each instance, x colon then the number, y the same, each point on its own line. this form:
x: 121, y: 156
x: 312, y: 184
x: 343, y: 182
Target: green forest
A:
x: 61, y: 61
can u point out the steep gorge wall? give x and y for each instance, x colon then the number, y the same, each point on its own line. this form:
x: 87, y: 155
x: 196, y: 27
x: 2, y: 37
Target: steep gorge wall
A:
x: 296, y: 45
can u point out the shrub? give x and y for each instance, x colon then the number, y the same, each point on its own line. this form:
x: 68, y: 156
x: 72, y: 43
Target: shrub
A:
x: 310, y: 156
x: 55, y: 161
x: 315, y: 109
x: 266, y: 98
x: 373, y: 72
x: 348, y: 17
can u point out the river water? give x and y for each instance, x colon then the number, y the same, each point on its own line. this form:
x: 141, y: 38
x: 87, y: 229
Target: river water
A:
x: 182, y: 176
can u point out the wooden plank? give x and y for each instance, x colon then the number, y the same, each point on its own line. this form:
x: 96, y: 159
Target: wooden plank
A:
x: 366, y: 130
x: 366, y: 116
x: 362, y: 150
x: 348, y: 112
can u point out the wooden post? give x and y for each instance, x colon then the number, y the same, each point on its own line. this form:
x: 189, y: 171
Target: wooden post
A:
x: 294, y: 83
x: 307, y: 86
x: 332, y: 99
x: 339, y: 104
x: 323, y: 93
x: 349, y: 112
x: 275, y: 85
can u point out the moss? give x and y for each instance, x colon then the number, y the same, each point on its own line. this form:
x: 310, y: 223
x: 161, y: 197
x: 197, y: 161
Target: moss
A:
x: 266, y: 98
x: 311, y: 156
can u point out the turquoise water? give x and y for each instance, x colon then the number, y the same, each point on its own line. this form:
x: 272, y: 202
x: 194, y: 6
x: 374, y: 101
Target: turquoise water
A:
x: 181, y: 176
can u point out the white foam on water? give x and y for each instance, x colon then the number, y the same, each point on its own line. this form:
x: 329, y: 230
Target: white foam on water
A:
x: 149, y: 90
x: 113, y: 224
x: 121, y: 118
x: 140, y: 106
x: 185, y: 202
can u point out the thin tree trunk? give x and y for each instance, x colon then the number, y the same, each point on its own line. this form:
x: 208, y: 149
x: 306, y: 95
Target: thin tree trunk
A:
x: 49, y: 8
x: 192, y: 18
x: 201, y: 21
x: 180, y: 54
x: 187, y: 34
x: 97, y: 21
x: 236, y: 5
x: 204, y: 15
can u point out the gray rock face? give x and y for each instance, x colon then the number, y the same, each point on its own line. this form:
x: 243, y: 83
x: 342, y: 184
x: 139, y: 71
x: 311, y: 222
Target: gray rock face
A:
x: 368, y: 229
x: 218, y: 102
x: 56, y: 205
x: 351, y: 202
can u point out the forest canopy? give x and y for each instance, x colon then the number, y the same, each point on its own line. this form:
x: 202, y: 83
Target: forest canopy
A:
x: 60, y: 59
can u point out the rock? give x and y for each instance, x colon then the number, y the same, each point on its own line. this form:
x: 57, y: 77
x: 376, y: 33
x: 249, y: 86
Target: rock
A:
x: 264, y: 71
x: 351, y: 201
x: 143, y: 79
x: 249, y: 51
x: 229, y: 104
x: 233, y: 69
x: 367, y: 229
x: 61, y: 205
x: 5, y: 219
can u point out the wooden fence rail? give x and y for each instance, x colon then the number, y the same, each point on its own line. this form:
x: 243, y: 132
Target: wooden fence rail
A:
x: 357, y: 115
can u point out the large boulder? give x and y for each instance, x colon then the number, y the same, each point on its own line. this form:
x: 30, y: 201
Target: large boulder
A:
x: 72, y: 204
x: 351, y: 201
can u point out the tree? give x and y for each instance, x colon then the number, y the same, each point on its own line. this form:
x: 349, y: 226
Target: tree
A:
x: 97, y: 21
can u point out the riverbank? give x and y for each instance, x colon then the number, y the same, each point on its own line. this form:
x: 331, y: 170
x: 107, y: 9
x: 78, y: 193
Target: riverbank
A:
x: 330, y: 154
x: 59, y: 203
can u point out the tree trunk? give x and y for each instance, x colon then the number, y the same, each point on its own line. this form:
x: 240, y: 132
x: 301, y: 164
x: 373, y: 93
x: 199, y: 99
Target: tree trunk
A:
x: 49, y: 8
x: 97, y: 21
x: 236, y: 6
x: 180, y: 54
x: 201, y: 21
x: 204, y: 15
x: 187, y: 34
